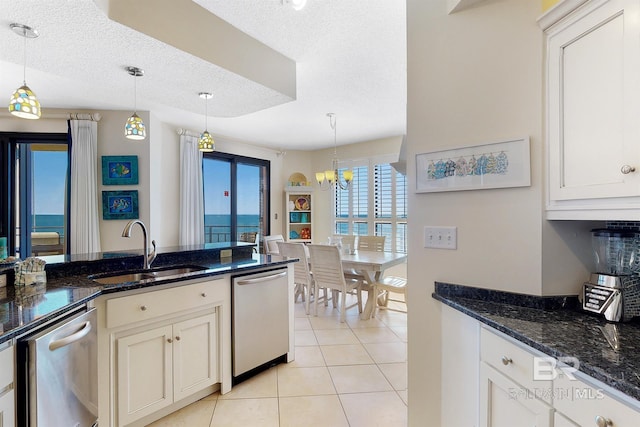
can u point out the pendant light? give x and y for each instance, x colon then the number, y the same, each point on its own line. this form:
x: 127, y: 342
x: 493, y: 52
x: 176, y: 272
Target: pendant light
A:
x: 23, y: 102
x: 134, y: 128
x: 325, y: 179
x: 206, y: 143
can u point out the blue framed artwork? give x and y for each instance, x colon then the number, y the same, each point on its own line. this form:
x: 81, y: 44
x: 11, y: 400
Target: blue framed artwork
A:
x: 120, y: 204
x: 119, y: 170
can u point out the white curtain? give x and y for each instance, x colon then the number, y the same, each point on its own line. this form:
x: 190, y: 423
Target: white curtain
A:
x: 85, y: 225
x: 191, y: 192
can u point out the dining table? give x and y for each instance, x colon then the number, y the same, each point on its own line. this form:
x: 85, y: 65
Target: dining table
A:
x: 371, y: 265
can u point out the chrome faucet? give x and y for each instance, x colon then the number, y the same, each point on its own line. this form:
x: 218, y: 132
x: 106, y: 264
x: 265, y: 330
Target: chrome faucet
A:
x: 148, y: 257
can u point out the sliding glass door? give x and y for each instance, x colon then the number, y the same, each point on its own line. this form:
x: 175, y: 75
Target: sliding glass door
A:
x: 34, y: 194
x: 236, y: 197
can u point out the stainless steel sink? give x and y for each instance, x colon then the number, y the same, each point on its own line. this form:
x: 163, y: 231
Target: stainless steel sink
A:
x: 146, y: 275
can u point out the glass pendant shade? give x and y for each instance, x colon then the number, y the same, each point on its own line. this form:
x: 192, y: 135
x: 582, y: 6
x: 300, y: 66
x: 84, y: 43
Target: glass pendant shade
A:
x: 134, y: 128
x: 24, y: 103
x: 206, y: 143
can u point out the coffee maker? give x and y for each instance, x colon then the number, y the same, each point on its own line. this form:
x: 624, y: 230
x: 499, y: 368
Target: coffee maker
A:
x: 614, y: 289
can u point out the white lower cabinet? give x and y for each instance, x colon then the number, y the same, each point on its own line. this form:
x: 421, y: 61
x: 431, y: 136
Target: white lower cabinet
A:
x: 520, y: 383
x: 591, y: 405
x: 503, y: 402
x: 7, y: 395
x: 7, y: 409
x: 163, y: 365
x: 144, y: 373
x: 162, y: 348
x: 560, y: 420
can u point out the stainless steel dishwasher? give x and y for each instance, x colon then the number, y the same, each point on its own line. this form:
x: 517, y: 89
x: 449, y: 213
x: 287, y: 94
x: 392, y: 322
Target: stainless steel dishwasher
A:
x: 260, y: 320
x: 57, y: 373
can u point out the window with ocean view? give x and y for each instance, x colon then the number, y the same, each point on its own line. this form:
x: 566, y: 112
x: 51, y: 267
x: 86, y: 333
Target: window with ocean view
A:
x: 34, y: 194
x: 236, y: 197
x: 374, y: 204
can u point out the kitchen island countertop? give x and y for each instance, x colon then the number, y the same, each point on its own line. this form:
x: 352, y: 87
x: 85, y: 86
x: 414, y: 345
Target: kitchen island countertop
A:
x: 554, y: 326
x: 68, y: 285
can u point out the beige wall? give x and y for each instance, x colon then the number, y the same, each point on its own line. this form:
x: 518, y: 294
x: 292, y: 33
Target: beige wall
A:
x: 473, y: 77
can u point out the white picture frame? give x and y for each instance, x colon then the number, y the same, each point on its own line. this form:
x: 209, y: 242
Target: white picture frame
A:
x: 491, y: 165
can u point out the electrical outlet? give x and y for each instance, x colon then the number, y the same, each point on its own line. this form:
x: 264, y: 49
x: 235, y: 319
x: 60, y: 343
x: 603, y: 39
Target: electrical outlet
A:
x: 441, y: 237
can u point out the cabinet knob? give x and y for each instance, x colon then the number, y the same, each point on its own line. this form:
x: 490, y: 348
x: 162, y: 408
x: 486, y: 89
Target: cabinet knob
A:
x: 143, y: 307
x: 626, y: 169
x: 178, y: 338
x: 169, y: 340
x: 506, y: 360
x: 203, y: 295
x: 603, y: 421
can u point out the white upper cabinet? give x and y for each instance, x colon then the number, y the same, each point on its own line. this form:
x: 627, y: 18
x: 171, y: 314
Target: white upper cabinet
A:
x: 593, y: 112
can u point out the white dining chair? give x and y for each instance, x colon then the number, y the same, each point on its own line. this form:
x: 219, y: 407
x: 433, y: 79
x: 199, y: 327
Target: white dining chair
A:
x: 271, y: 243
x: 326, y: 266
x: 301, y: 274
x: 371, y: 243
x: 387, y: 285
x: 346, y: 239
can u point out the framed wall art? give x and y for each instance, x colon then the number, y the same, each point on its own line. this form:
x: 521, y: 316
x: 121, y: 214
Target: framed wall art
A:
x: 493, y: 165
x: 120, y: 204
x: 119, y: 170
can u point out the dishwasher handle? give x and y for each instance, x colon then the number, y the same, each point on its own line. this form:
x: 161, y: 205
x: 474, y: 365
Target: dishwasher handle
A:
x: 261, y: 279
x: 56, y: 344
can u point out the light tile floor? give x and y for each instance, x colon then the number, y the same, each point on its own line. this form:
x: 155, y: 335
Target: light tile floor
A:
x: 345, y: 374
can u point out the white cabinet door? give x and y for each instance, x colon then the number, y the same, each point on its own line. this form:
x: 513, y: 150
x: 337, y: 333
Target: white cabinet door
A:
x: 145, y: 379
x: 503, y: 402
x: 593, y: 69
x: 195, y: 355
x: 583, y: 403
x: 560, y: 420
x: 7, y: 409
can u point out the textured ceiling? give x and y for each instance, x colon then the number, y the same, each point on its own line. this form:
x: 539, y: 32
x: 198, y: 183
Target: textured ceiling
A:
x: 351, y: 60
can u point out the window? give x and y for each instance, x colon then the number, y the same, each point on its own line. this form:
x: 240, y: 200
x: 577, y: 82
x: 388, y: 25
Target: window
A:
x: 236, y: 197
x: 374, y: 204
x: 34, y: 192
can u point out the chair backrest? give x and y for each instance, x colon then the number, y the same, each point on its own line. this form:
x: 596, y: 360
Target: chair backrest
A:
x: 250, y: 237
x: 271, y: 243
x: 301, y: 272
x: 371, y: 243
x: 326, y: 266
x: 346, y: 240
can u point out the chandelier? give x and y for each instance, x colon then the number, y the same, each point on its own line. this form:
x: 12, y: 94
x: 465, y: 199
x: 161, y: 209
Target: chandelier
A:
x: 327, y: 178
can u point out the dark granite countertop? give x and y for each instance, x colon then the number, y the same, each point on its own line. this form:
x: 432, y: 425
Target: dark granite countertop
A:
x: 68, y: 285
x: 554, y: 326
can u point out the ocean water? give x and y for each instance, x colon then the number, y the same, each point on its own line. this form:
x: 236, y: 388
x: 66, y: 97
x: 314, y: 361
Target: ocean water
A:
x: 49, y: 223
x: 214, y: 224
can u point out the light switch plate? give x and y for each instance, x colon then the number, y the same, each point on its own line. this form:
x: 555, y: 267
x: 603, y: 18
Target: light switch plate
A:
x: 441, y: 237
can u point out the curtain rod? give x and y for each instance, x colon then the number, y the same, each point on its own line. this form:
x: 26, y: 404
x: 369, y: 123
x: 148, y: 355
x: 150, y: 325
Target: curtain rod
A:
x: 95, y: 117
x: 46, y: 115
x: 187, y: 132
